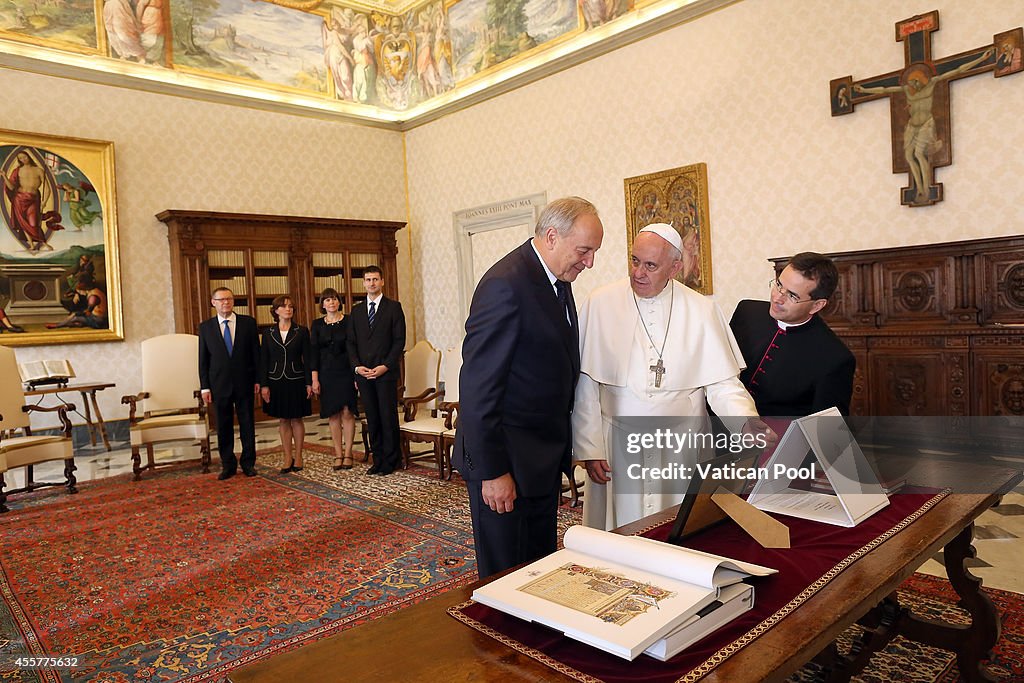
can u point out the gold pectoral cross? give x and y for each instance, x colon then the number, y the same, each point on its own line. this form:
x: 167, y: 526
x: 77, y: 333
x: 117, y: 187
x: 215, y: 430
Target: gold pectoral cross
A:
x: 658, y: 370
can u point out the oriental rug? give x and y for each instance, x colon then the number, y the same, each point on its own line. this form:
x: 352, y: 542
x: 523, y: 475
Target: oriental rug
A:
x: 912, y: 662
x: 181, y: 577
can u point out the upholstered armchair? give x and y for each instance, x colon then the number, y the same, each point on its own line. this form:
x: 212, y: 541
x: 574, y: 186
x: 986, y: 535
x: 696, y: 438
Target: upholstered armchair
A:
x: 435, y: 423
x: 170, y: 403
x: 449, y: 407
x: 18, y: 446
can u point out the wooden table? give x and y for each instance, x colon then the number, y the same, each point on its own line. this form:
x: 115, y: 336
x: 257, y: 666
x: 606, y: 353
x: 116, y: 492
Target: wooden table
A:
x: 424, y: 643
x: 88, y: 391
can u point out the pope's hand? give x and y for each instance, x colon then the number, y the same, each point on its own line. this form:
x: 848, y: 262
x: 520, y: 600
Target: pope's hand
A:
x: 599, y: 471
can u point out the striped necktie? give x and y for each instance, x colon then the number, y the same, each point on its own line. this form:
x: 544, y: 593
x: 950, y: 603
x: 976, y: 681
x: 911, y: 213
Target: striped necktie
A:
x: 372, y: 312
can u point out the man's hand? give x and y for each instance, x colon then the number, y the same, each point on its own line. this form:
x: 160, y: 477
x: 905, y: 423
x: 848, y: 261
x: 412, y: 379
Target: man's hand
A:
x: 265, y: 393
x: 599, y: 471
x: 756, y: 426
x: 379, y: 371
x: 316, y: 387
x: 364, y: 371
x: 500, y: 493
x: 207, y: 397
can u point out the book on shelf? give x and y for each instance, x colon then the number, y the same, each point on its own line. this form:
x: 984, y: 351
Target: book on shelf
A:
x: 732, y: 602
x: 621, y: 594
x: 37, y: 372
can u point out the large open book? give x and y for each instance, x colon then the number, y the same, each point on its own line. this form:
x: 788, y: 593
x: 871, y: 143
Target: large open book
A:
x: 45, y: 372
x: 621, y: 594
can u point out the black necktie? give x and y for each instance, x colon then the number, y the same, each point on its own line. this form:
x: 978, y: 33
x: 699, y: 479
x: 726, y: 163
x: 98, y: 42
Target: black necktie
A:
x: 562, y: 290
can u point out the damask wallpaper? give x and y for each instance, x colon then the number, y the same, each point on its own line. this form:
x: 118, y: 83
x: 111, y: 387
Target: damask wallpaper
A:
x: 746, y: 90
x: 176, y: 153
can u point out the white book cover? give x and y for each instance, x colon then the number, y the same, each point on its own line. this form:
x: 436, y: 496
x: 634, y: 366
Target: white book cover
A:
x: 617, y: 593
x: 732, y: 601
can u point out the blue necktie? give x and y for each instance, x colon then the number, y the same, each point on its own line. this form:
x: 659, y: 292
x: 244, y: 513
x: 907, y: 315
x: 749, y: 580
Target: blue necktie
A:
x: 371, y: 312
x: 227, y: 336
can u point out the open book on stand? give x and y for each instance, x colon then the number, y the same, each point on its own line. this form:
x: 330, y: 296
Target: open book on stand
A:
x: 38, y: 372
x: 621, y: 594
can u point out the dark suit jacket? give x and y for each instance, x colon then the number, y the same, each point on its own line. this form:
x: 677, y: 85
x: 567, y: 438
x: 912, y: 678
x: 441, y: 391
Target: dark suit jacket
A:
x: 288, y: 360
x: 520, y: 363
x: 809, y: 369
x: 383, y: 344
x: 222, y: 374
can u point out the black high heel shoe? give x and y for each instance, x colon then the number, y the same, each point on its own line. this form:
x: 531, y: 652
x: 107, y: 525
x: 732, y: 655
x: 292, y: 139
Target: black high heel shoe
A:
x: 346, y: 464
x: 289, y: 468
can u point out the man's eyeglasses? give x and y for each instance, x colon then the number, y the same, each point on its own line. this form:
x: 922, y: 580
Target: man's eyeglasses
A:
x: 225, y: 298
x: 793, y: 298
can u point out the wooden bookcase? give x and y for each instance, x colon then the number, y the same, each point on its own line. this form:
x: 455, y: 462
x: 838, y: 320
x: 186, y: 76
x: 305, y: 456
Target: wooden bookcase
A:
x: 260, y: 257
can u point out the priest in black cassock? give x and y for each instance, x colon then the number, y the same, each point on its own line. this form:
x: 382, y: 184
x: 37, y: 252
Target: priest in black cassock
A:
x: 796, y: 365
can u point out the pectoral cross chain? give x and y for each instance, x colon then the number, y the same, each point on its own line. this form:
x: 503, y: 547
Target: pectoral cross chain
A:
x: 658, y: 370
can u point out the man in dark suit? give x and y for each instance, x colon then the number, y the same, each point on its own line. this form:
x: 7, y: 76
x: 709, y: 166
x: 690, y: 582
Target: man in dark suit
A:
x: 796, y: 365
x: 375, y: 344
x: 521, y: 361
x: 228, y: 377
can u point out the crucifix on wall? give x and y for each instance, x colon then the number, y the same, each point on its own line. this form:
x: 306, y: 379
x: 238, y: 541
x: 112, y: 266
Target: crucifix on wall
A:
x: 919, y: 99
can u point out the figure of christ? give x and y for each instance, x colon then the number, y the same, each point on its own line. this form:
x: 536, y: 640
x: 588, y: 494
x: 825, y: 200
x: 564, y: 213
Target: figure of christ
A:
x: 22, y: 188
x: 919, y: 138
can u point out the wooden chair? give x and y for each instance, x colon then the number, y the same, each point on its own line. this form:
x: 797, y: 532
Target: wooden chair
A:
x: 449, y: 408
x: 419, y: 388
x: 439, y: 423
x: 26, y: 450
x: 172, y: 408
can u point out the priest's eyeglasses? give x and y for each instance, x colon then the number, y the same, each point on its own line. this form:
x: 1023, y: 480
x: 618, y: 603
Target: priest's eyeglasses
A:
x: 776, y: 284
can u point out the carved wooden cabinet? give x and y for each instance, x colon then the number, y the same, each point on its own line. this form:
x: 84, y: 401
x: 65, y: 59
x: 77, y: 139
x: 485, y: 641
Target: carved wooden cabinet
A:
x: 259, y: 257
x: 937, y: 329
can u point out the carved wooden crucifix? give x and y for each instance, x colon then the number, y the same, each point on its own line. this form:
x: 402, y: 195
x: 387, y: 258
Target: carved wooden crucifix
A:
x: 919, y: 99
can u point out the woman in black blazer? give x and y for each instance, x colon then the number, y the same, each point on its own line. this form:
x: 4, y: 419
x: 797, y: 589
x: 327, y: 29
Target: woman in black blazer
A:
x: 286, y: 379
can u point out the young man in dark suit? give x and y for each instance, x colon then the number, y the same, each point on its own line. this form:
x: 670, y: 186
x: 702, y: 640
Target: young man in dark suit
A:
x: 375, y: 344
x: 228, y: 377
x: 521, y: 361
x: 796, y: 365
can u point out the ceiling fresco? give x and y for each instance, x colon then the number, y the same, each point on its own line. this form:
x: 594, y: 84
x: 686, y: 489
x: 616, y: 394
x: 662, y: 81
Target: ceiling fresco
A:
x: 386, y: 63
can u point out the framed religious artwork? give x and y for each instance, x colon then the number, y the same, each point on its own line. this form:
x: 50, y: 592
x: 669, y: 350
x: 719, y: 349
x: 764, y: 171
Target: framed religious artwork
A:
x: 679, y: 197
x: 59, y: 268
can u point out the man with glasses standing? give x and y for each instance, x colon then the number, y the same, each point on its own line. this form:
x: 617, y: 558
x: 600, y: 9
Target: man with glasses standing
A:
x: 796, y: 365
x: 228, y: 377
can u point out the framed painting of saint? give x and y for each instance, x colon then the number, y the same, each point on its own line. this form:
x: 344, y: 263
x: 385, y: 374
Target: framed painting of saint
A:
x: 679, y: 197
x: 59, y: 269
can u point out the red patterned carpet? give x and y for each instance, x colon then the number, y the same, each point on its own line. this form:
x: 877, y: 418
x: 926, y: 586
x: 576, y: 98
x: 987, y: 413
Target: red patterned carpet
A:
x: 181, y: 577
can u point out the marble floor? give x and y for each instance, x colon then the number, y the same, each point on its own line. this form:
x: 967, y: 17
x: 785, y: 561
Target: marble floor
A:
x: 999, y: 532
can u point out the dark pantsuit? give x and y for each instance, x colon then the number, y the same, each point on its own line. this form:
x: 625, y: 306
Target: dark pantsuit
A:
x: 380, y: 400
x: 225, y: 410
x: 526, y: 534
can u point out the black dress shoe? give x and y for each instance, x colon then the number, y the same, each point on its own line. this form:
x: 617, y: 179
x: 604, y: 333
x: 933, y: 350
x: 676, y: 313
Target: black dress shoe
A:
x: 251, y: 472
x: 225, y: 474
x: 373, y: 470
x: 385, y: 472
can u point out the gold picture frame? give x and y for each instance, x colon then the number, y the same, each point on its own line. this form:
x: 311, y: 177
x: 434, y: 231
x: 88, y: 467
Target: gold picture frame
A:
x: 679, y: 197
x: 60, y: 275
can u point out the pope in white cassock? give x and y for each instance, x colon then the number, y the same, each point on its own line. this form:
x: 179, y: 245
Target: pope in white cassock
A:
x: 649, y: 346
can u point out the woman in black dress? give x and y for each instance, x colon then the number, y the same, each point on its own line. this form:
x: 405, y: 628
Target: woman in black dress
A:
x: 285, y: 378
x: 333, y: 378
